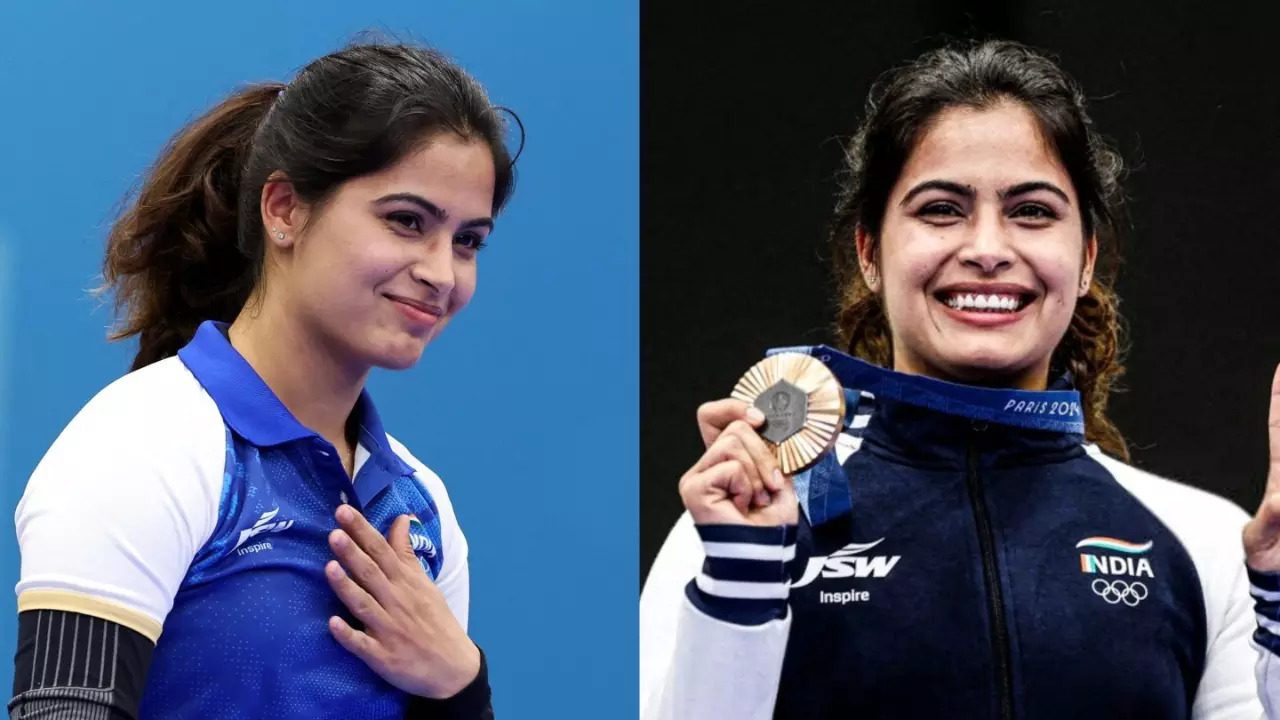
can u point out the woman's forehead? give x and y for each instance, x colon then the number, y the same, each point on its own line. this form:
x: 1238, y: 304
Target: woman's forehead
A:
x: 1001, y: 145
x: 448, y: 172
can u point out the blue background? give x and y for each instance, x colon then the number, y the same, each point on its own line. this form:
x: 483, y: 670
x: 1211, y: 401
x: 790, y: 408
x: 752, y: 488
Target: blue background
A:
x: 526, y: 406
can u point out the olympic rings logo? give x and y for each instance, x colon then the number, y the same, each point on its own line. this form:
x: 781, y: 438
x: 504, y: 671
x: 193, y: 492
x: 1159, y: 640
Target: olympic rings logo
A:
x: 1120, y: 591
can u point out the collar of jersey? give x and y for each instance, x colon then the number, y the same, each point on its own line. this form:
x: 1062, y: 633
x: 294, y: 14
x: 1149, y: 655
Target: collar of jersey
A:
x: 254, y: 412
x: 1054, y: 410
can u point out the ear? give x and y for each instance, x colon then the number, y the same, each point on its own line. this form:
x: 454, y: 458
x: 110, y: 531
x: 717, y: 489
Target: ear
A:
x: 283, y: 212
x: 867, y: 258
x: 1086, y: 272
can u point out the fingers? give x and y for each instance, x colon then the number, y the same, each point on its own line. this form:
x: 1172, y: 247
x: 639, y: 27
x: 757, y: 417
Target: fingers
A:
x: 704, y: 493
x: 1273, y: 431
x: 369, y: 540
x: 741, y: 442
x: 1263, y: 531
x: 362, y: 569
x: 766, y: 463
x: 1275, y: 397
x: 729, y: 446
x: 785, y: 508
x: 714, y: 417
x: 731, y: 479
x: 398, y: 538
x: 361, y: 604
x: 739, y: 466
x: 356, y: 642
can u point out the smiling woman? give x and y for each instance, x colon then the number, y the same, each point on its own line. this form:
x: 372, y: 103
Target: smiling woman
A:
x: 974, y: 545
x: 1012, y: 181
x: 238, y: 490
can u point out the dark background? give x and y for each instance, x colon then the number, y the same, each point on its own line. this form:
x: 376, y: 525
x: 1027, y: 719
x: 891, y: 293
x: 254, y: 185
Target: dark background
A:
x: 744, y: 105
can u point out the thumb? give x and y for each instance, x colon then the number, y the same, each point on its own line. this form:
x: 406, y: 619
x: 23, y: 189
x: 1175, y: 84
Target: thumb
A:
x: 398, y: 537
x: 714, y: 417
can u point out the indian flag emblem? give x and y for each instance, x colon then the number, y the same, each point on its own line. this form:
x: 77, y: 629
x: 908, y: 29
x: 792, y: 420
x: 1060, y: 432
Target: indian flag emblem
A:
x: 421, y: 541
x: 1115, y: 545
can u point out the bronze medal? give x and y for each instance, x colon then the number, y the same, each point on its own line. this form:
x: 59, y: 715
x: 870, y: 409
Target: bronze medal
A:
x: 803, y: 406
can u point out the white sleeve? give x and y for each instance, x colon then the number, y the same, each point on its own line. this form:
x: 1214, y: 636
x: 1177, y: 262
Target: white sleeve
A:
x: 455, y: 576
x: 698, y: 659
x: 1228, y: 690
x: 122, y: 501
x: 1209, y: 528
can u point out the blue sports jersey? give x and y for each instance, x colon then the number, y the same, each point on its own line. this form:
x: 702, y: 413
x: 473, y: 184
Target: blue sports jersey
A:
x: 219, y: 553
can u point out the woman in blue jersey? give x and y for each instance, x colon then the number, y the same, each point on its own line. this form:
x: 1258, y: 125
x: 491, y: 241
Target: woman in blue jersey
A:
x: 228, y: 531
x: 974, y: 546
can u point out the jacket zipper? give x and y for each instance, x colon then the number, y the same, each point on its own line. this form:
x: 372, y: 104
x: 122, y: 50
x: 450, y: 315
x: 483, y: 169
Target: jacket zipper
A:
x: 995, y: 599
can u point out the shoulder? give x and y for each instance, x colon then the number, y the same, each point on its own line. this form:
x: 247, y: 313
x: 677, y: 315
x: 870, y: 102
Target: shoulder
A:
x: 152, y: 431
x: 1207, y: 526
x: 161, y: 402
x: 116, y: 509
x: 435, y: 488
x: 1192, y: 513
x: 425, y: 475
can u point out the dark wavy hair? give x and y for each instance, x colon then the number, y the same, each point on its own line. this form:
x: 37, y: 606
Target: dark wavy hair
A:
x: 980, y: 75
x: 190, y: 246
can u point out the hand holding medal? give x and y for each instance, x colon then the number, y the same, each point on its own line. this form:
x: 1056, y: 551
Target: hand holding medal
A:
x: 784, y: 414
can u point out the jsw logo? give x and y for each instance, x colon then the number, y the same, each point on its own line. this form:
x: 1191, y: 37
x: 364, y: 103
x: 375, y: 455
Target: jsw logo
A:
x: 848, y: 562
x: 264, y: 525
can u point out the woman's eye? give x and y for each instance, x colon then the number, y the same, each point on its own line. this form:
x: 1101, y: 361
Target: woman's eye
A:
x: 471, y: 241
x: 408, y: 221
x: 1035, y: 211
x: 941, y: 209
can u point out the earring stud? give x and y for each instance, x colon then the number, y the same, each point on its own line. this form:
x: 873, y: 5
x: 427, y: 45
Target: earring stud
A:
x: 279, y: 234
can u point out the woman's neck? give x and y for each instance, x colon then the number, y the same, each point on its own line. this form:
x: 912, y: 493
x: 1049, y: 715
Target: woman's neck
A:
x: 1033, y: 378
x: 301, y: 370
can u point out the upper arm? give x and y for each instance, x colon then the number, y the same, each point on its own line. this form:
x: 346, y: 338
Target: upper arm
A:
x: 117, y: 508
x: 1228, y: 688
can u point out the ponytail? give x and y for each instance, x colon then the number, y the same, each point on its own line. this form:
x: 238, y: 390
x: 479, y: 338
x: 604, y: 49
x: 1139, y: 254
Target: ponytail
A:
x: 175, y: 258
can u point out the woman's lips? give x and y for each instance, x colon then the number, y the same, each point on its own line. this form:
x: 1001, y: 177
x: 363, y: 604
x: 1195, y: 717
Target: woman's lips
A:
x: 986, y: 307
x: 418, y: 312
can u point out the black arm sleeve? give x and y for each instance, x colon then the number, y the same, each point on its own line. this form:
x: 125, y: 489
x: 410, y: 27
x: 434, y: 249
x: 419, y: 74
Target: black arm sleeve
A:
x: 71, y: 666
x: 474, y: 702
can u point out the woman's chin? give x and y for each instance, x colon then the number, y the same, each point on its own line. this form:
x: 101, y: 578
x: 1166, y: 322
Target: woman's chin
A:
x: 993, y: 368
x: 397, y: 354
x: 400, y: 358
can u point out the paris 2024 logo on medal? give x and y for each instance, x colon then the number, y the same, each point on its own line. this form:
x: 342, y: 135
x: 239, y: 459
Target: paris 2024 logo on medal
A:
x: 803, y: 406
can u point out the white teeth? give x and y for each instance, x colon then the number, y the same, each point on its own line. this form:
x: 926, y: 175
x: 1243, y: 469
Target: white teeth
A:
x: 997, y: 303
